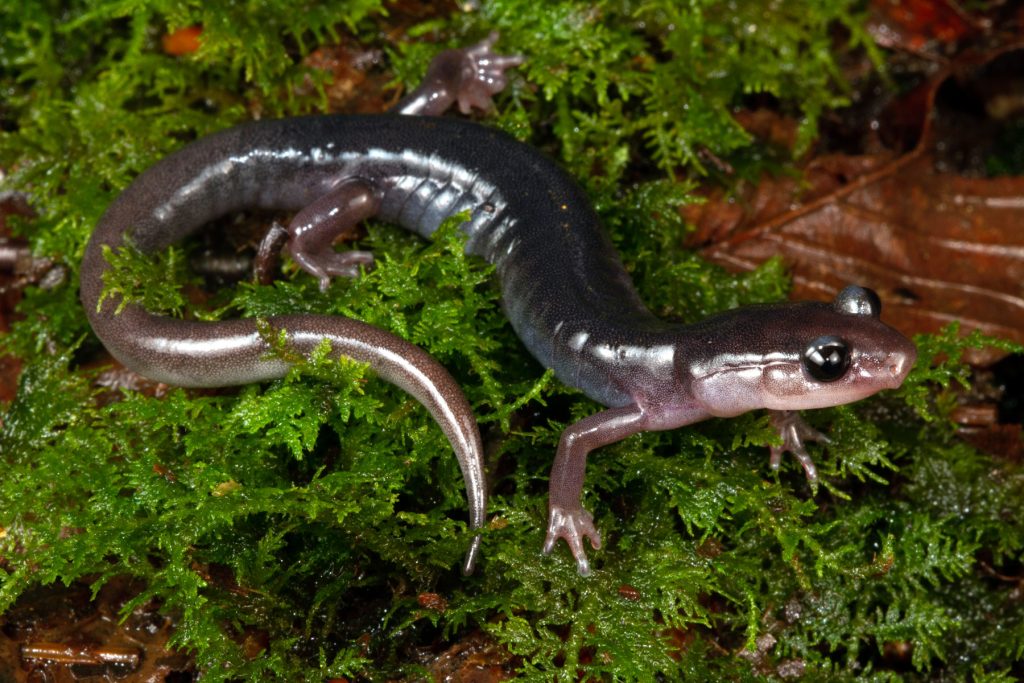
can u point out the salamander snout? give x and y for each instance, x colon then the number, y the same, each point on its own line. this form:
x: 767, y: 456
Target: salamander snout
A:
x: 900, y: 360
x: 862, y: 309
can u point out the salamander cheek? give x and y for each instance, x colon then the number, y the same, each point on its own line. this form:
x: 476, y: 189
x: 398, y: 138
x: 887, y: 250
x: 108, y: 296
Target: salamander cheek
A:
x: 784, y: 380
x: 790, y: 388
x: 730, y: 393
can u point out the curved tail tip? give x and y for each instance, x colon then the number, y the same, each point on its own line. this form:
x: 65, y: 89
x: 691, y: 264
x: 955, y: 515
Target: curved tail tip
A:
x: 469, y: 564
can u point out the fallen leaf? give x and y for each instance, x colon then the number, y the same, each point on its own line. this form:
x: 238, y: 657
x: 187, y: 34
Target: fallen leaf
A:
x: 183, y: 41
x: 914, y: 25
x: 938, y: 246
x: 67, y: 634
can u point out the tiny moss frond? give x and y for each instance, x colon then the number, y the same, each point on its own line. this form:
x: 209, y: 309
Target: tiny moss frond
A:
x: 147, y: 281
x: 661, y: 76
x: 940, y: 362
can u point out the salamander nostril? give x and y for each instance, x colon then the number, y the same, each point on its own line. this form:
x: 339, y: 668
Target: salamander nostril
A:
x: 900, y: 362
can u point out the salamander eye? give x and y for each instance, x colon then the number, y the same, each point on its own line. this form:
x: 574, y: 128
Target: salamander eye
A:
x: 827, y: 358
x: 858, y: 301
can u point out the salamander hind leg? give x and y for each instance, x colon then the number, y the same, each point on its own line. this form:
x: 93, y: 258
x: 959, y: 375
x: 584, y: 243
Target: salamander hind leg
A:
x: 268, y: 256
x: 487, y: 75
x: 470, y: 77
x: 314, y: 229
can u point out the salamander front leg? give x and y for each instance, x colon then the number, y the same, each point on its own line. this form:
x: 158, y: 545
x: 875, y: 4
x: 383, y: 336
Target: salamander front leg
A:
x: 566, y: 517
x: 794, y: 432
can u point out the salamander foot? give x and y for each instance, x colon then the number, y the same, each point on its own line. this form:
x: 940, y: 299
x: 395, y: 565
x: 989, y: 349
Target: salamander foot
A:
x: 794, y: 432
x: 484, y: 75
x: 572, y: 526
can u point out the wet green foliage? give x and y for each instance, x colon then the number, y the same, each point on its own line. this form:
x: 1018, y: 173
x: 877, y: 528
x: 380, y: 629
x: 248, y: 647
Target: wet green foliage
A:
x: 315, y: 508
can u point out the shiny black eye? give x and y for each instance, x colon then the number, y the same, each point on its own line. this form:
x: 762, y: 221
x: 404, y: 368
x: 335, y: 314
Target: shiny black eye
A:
x: 827, y: 358
x: 856, y: 300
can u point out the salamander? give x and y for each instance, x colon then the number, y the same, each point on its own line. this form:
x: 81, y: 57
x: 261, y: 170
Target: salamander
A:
x: 563, y: 286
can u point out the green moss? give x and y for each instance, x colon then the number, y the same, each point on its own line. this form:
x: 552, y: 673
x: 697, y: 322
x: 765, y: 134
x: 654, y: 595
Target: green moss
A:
x: 291, y: 507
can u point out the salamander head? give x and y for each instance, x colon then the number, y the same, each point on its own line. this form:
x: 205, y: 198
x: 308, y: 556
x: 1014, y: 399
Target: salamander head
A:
x: 804, y: 355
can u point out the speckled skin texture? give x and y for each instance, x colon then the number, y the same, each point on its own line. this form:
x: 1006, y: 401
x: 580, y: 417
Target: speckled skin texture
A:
x: 564, y: 290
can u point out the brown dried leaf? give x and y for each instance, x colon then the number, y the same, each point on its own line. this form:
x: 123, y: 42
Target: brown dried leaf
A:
x: 916, y: 24
x: 477, y: 658
x: 936, y: 245
x: 60, y: 634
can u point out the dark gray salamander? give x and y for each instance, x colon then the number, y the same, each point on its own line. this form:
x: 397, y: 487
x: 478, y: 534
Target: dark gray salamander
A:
x: 563, y: 288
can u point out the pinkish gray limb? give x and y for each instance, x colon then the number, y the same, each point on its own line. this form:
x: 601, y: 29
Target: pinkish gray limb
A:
x: 268, y: 255
x: 566, y: 517
x: 314, y: 229
x: 469, y: 77
x: 794, y: 432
